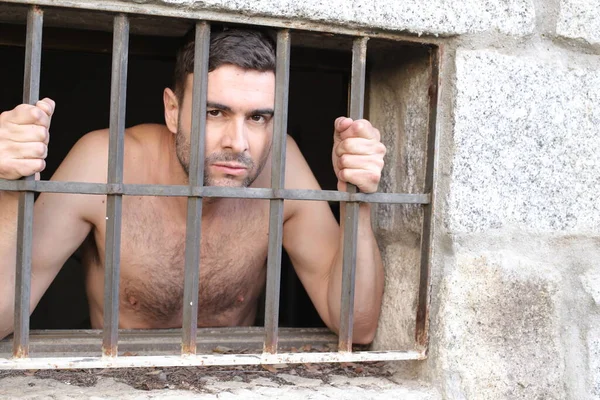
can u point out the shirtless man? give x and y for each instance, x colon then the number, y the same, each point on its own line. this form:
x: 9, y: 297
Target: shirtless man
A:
x: 241, y: 89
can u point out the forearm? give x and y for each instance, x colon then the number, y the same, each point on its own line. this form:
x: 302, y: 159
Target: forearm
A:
x: 8, y: 227
x: 369, y: 279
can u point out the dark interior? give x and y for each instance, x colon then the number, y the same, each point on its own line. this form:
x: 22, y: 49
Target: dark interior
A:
x: 76, y: 73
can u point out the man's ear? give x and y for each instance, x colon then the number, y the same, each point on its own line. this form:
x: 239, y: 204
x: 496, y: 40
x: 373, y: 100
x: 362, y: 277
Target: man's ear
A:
x: 171, y: 110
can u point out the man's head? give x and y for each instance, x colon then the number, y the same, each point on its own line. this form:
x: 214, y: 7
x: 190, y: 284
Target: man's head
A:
x: 241, y: 91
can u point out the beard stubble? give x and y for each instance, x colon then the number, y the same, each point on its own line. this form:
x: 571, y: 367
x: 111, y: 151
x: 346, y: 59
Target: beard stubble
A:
x: 182, y: 147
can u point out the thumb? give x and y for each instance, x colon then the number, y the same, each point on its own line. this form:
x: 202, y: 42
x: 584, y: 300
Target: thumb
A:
x: 46, y: 105
x: 342, y: 123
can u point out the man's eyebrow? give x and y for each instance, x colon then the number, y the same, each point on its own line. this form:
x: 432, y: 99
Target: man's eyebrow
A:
x: 262, y: 111
x: 218, y: 106
x: 223, y: 107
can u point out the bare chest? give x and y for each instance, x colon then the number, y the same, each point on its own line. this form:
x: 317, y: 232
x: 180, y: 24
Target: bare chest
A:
x: 233, y: 249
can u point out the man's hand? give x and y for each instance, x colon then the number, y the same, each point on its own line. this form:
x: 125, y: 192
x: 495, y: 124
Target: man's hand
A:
x: 24, y: 136
x: 357, y: 154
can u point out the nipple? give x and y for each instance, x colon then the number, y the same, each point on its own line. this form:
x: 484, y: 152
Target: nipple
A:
x: 240, y: 299
x: 133, y: 301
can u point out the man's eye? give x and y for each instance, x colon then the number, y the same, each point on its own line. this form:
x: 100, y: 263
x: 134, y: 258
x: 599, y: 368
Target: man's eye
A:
x: 214, y: 113
x: 258, y: 118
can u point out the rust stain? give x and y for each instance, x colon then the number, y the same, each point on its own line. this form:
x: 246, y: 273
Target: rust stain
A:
x: 109, y: 351
x: 188, y: 348
x: 345, y: 346
x: 270, y: 348
x: 21, y: 352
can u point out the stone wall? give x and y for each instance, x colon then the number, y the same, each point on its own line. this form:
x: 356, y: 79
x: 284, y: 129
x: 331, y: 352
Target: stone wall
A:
x: 516, y: 251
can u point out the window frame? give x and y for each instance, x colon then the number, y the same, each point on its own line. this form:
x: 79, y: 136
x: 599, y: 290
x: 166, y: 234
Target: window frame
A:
x: 195, y: 192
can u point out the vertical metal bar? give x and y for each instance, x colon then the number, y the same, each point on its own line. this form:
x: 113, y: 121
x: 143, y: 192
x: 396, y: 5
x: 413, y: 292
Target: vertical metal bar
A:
x: 196, y: 178
x: 282, y: 79
x: 422, y: 323
x: 112, y: 254
x: 31, y: 92
x: 357, y: 94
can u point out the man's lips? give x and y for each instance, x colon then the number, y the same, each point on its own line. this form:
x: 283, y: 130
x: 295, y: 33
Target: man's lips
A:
x: 230, y: 168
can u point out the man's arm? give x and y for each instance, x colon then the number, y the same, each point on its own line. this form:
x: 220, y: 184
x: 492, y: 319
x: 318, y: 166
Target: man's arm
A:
x: 314, y: 240
x: 61, y: 221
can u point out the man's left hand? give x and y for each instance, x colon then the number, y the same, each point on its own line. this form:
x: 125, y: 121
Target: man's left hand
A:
x: 357, y: 154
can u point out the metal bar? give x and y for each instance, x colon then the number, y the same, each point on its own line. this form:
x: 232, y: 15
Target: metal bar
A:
x: 211, y: 191
x: 116, y: 150
x: 230, y: 340
x: 196, y: 179
x: 357, y: 94
x: 200, y: 12
x: 282, y: 79
x: 422, y: 322
x: 206, y: 360
x: 31, y: 92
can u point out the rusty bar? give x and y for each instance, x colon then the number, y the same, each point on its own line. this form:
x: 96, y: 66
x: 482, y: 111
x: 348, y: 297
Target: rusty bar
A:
x: 112, y: 254
x: 31, y: 93
x: 422, y: 322
x: 196, y: 178
x: 282, y: 79
x: 210, y: 191
x: 357, y: 95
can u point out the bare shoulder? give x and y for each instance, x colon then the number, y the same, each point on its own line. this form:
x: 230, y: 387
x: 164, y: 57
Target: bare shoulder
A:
x: 88, y: 159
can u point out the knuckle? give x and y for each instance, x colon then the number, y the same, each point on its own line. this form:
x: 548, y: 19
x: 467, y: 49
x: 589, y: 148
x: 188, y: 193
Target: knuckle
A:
x: 36, y: 114
x: 39, y: 167
x: 41, y: 133
x: 374, y: 176
x: 361, y: 124
x: 44, y: 150
x: 344, y: 175
x: 39, y: 150
x: 349, y: 146
x: 344, y: 160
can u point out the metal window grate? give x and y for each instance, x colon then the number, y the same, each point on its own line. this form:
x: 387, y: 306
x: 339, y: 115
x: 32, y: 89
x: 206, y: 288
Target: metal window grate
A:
x: 115, y: 189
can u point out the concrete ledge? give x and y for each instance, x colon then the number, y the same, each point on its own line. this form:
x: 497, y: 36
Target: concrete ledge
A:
x: 278, y: 387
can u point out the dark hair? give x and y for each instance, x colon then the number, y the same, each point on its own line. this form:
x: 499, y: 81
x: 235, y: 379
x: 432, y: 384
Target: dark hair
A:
x: 247, y: 49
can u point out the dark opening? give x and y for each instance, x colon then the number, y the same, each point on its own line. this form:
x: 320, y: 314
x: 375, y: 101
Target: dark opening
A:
x: 76, y: 73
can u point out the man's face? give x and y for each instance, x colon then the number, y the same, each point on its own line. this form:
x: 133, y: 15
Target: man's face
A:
x: 239, y: 125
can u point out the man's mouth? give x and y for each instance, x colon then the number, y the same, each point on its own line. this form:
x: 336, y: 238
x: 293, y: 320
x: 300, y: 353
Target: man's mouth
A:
x: 230, y: 168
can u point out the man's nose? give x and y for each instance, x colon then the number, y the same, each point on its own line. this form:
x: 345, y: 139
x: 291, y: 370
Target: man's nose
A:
x: 236, y: 138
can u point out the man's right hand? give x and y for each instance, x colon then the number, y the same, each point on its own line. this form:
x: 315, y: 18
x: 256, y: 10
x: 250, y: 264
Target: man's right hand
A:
x: 24, y: 136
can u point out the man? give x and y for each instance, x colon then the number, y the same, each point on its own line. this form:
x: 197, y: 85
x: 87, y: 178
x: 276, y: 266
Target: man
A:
x: 241, y: 87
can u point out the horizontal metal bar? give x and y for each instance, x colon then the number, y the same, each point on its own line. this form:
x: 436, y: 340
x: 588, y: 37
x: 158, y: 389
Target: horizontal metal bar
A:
x: 201, y: 12
x: 206, y: 360
x: 246, y: 340
x: 210, y: 191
